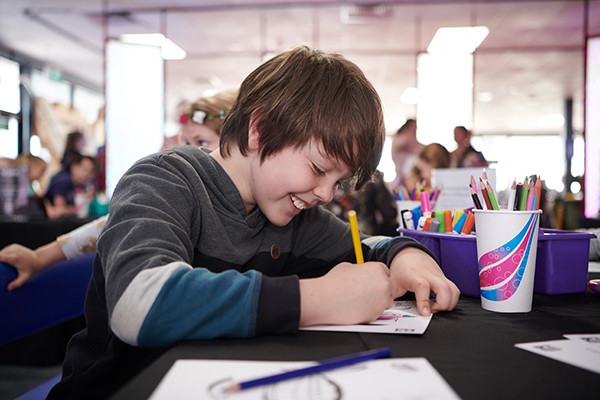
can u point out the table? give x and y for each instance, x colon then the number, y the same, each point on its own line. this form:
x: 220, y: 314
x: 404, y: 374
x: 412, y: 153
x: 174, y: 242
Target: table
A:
x: 35, y: 233
x: 471, y: 348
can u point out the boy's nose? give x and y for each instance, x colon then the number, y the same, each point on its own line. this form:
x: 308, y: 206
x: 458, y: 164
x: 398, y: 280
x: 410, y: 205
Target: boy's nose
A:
x: 325, y: 192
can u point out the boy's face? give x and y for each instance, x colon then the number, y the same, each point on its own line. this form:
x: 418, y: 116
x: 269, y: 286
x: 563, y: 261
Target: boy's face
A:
x: 293, y: 180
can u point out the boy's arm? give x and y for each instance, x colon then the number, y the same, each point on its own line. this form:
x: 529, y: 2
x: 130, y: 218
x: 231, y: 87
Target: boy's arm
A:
x: 153, y: 295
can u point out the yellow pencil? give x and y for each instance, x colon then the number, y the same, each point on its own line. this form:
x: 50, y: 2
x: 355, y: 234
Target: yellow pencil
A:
x: 355, y: 237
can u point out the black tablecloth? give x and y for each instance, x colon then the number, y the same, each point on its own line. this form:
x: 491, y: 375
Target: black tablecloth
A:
x: 36, y: 233
x: 471, y: 348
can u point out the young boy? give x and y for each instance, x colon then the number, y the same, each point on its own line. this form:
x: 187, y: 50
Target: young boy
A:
x: 233, y: 244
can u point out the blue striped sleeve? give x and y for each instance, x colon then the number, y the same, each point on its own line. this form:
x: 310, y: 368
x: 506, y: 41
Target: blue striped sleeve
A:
x: 188, y: 304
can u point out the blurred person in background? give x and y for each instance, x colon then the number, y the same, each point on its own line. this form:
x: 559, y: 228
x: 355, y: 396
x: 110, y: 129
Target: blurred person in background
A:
x: 66, y: 185
x: 432, y: 156
x: 82, y: 240
x: 405, y: 150
x: 465, y: 155
x: 74, y: 146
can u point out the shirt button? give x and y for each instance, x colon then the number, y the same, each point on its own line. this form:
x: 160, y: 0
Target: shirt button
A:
x: 275, y: 252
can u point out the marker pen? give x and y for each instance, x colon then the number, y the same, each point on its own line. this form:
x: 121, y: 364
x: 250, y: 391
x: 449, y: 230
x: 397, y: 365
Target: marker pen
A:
x: 407, y: 217
x: 416, y: 214
x: 457, y: 213
x: 468, y: 226
x: 421, y: 223
x: 439, y: 214
x: 460, y: 223
x: 447, y: 221
x: 425, y: 206
x: 427, y: 224
x: 435, y: 225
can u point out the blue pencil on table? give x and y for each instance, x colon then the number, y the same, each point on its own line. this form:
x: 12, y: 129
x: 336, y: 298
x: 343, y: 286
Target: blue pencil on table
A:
x: 326, y: 365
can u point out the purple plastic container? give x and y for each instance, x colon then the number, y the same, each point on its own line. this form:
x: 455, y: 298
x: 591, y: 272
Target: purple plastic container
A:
x: 561, y: 264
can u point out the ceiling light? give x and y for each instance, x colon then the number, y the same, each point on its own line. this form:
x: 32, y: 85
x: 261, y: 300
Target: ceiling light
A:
x: 364, y: 13
x: 484, y: 97
x: 169, y: 50
x: 459, y: 40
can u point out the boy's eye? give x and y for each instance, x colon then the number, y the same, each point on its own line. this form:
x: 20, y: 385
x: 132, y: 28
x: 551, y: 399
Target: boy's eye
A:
x: 318, y: 170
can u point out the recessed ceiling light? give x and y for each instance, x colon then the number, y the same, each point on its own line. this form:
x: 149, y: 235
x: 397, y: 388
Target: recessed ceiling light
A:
x: 484, y: 97
x: 457, y: 40
x: 169, y: 50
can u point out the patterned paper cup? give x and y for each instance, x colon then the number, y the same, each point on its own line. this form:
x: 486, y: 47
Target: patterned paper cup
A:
x: 506, y: 254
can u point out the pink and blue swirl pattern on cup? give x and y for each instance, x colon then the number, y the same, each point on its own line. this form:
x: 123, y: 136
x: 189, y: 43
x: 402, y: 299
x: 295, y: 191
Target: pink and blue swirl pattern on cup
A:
x: 501, y: 270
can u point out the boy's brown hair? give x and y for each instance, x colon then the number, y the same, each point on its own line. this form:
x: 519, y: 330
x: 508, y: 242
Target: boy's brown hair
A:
x: 304, y: 94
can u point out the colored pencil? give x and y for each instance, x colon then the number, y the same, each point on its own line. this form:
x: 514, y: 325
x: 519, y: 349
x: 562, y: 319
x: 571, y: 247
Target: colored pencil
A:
x: 511, y: 195
x: 529, y: 204
x: 475, y: 197
x: 473, y: 183
x: 355, y: 237
x: 486, y: 197
x: 524, y: 193
x: 538, y: 189
x: 493, y: 200
x: 323, y: 366
x: 515, y: 206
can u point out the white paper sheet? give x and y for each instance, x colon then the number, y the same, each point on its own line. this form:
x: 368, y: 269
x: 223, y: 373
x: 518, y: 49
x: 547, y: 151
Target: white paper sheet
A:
x: 582, y: 350
x: 455, y: 192
x: 392, y: 378
x: 594, y: 266
x: 403, y: 317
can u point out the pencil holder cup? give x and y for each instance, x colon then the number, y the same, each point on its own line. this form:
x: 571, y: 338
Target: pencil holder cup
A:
x: 506, y: 257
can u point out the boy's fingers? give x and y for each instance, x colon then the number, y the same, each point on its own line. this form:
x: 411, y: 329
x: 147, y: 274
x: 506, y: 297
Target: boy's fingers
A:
x: 446, y: 298
x: 422, y: 297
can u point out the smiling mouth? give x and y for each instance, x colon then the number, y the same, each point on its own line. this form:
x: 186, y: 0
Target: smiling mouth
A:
x: 299, y: 204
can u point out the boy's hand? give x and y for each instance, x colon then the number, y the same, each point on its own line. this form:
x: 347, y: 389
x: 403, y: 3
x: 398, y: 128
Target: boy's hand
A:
x: 348, y: 294
x: 415, y: 271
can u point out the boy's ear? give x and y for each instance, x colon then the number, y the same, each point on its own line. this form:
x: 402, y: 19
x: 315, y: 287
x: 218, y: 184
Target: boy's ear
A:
x: 253, y: 134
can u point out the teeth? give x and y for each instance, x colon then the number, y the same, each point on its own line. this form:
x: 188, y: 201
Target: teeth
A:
x: 298, y: 203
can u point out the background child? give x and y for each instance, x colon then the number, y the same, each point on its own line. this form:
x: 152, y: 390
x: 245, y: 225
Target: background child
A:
x: 234, y: 243
x: 83, y: 239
